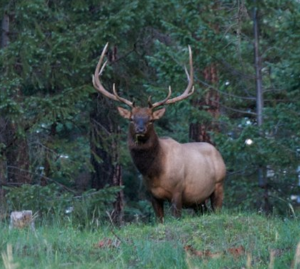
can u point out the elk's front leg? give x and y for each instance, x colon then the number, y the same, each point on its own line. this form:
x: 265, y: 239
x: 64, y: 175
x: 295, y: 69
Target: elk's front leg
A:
x: 158, y: 206
x: 176, y: 204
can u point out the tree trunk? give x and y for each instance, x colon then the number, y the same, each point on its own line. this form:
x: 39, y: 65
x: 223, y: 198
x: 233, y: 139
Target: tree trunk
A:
x: 104, y: 142
x: 117, y: 215
x: 262, y: 179
x: 199, y: 132
x: 15, y: 163
x: 5, y: 31
x: 4, y: 43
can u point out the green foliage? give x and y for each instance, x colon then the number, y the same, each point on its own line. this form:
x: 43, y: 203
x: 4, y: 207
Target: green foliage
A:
x: 93, y: 207
x: 44, y: 200
x: 55, y: 201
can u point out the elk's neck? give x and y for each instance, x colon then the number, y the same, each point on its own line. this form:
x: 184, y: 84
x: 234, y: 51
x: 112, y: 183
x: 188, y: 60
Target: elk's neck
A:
x: 146, y: 153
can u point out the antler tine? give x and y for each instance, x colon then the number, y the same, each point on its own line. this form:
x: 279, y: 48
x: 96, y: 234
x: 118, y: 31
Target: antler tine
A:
x: 190, y: 89
x: 102, y: 68
x: 187, y: 73
x: 160, y: 103
x: 99, y: 87
x: 123, y: 100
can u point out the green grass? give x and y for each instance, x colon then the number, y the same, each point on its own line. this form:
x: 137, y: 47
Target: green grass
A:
x: 209, y: 240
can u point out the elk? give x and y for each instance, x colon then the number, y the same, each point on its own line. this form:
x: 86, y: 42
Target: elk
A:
x: 184, y: 174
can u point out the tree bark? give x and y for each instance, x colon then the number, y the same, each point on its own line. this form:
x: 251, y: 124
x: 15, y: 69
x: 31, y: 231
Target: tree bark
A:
x: 199, y: 132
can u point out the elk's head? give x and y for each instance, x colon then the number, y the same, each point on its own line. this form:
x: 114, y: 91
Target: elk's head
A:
x: 141, y: 121
x: 141, y: 118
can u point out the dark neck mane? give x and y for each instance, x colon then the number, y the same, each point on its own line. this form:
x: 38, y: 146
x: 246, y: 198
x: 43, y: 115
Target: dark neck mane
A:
x: 146, y: 154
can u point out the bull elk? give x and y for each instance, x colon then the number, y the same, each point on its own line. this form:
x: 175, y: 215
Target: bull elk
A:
x: 183, y: 174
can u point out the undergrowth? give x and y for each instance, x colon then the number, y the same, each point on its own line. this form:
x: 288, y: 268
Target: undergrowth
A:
x: 225, y: 240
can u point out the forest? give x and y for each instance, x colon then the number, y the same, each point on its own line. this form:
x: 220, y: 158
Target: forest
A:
x: 63, y: 144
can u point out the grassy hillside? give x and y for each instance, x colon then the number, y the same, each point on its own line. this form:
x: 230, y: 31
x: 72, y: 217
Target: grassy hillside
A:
x: 212, y: 241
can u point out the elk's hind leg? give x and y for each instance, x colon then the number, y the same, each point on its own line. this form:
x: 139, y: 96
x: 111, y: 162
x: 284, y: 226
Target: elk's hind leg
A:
x: 176, y: 204
x: 217, y: 197
x: 158, y: 206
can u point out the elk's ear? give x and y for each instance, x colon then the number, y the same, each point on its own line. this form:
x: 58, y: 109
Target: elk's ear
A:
x: 158, y: 113
x: 124, y: 112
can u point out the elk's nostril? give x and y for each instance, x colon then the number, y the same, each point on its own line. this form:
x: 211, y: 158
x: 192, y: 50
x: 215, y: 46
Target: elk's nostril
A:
x: 140, y: 130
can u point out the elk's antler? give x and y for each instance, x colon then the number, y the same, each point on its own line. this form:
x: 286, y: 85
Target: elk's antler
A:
x: 188, y: 91
x: 99, y: 87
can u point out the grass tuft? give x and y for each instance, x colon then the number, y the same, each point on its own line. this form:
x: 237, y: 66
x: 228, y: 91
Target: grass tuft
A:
x: 8, y: 258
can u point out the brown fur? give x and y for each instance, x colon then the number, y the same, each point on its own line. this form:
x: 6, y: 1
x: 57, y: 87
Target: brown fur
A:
x: 146, y: 154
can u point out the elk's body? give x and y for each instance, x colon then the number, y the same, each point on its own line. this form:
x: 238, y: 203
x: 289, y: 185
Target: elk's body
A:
x: 184, y: 174
x: 170, y: 178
